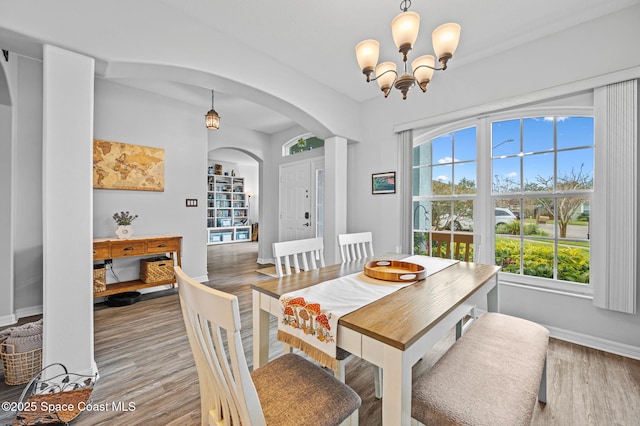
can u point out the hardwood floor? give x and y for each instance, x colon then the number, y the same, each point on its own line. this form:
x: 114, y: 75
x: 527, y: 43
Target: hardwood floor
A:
x: 144, y: 358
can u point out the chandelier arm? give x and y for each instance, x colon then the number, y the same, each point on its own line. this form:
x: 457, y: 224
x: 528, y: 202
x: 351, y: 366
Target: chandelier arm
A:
x: 427, y: 66
x: 387, y: 71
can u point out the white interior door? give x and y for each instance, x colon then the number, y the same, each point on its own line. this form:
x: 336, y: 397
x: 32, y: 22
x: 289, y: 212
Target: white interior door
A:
x: 296, y: 202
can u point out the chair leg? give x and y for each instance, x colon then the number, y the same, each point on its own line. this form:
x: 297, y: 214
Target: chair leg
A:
x: 377, y: 381
x: 339, y: 372
x: 352, y: 420
x: 542, y: 392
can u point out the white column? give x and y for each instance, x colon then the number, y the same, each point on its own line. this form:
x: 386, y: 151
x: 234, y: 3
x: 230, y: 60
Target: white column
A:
x: 68, y: 209
x: 335, y: 196
x: 615, y: 218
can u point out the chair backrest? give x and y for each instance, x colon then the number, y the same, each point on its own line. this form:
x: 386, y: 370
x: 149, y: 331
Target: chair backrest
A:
x: 355, y: 246
x: 227, y: 393
x: 309, y: 251
x: 442, y: 245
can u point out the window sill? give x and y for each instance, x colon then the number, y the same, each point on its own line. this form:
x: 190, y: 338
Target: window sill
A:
x: 534, y: 283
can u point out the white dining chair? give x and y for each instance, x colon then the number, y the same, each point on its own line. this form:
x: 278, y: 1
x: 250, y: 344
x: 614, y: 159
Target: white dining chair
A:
x: 311, y: 254
x: 288, y: 390
x: 305, y: 255
x: 355, y: 246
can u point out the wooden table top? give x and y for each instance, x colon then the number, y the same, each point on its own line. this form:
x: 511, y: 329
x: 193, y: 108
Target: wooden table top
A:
x: 403, y: 316
x: 135, y: 238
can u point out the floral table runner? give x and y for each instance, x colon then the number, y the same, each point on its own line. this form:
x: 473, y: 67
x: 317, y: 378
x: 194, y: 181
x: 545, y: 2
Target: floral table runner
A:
x: 309, y: 319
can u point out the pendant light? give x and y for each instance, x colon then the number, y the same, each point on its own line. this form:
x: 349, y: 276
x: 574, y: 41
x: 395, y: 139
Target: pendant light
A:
x: 212, y: 117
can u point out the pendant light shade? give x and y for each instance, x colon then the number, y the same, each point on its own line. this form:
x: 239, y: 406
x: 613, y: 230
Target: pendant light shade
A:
x: 212, y: 118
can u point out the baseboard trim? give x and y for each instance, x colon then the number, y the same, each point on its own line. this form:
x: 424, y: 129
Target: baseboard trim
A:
x: 20, y: 313
x: 29, y: 312
x: 593, y: 342
x: 263, y: 261
x: 8, y: 320
x: 588, y: 341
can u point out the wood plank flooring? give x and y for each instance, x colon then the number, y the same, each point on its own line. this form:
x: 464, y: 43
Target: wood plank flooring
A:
x: 144, y: 358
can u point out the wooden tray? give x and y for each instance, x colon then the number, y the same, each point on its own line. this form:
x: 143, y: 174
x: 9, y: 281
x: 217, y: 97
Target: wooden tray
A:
x: 394, y: 270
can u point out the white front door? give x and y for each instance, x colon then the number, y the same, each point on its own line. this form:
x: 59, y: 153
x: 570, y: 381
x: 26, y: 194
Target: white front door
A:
x: 297, y: 220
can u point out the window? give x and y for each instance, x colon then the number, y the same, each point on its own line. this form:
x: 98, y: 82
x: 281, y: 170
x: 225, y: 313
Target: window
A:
x: 444, y: 187
x: 542, y: 170
x: 302, y: 143
x: 537, y: 182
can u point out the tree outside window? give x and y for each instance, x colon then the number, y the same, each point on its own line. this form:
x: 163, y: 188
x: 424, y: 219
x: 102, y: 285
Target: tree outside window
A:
x: 546, y: 175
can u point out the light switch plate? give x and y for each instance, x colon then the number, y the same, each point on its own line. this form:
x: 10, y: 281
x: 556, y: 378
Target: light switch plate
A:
x: 191, y: 202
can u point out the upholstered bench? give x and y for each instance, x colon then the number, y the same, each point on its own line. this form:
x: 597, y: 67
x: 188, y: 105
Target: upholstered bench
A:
x: 490, y: 376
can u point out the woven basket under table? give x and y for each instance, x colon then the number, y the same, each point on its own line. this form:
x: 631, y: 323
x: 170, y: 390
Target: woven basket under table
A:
x: 99, y: 278
x: 156, y: 269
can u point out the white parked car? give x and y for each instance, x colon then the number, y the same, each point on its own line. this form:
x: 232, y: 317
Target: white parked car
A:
x: 465, y: 223
x: 504, y: 216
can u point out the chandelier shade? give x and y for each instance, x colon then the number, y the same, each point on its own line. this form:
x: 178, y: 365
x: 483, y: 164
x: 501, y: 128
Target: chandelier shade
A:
x: 212, y: 119
x: 367, y: 53
x: 445, y: 40
x: 385, y: 75
x: 423, y: 68
x: 404, y: 29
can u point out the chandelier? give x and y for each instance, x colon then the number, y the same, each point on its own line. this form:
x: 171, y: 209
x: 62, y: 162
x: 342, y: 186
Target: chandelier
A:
x: 404, y: 29
x: 212, y: 118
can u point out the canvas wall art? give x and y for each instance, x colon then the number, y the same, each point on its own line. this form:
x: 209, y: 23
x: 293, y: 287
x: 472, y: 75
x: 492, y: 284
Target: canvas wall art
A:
x: 119, y: 165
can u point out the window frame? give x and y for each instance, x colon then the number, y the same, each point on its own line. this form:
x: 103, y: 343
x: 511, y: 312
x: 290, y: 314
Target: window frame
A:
x: 286, y: 147
x: 484, y: 198
x: 429, y: 136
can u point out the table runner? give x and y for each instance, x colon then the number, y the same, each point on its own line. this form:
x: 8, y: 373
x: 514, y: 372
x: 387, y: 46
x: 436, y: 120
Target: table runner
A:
x: 309, y: 318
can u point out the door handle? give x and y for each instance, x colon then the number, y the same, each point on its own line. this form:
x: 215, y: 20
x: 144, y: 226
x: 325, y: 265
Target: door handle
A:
x: 306, y: 224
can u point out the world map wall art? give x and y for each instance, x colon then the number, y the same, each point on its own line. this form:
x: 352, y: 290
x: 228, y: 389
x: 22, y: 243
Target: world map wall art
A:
x: 119, y: 165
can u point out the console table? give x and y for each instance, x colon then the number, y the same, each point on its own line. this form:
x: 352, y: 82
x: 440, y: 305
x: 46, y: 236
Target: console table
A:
x: 114, y: 248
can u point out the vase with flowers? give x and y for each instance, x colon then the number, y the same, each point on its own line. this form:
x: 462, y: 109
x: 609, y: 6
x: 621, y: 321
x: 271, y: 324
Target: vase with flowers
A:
x: 123, y: 220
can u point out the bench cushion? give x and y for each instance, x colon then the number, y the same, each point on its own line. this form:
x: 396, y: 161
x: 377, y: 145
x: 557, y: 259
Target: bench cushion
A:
x: 490, y: 376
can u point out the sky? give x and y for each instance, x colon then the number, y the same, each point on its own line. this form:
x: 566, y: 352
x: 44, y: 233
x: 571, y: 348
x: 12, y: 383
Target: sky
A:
x: 519, y: 148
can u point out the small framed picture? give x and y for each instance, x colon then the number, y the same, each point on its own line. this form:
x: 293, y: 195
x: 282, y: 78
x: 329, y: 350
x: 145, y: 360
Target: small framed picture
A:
x: 383, y: 183
x: 218, y: 169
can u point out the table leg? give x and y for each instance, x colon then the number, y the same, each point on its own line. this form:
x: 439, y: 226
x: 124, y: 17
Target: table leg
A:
x: 260, y: 333
x: 396, y: 388
x: 493, y: 301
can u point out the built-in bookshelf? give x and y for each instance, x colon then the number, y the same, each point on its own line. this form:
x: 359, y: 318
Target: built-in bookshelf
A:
x: 227, y: 210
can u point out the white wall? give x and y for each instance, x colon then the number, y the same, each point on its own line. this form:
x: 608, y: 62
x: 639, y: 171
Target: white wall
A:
x: 123, y: 114
x: 28, y: 198
x: 6, y: 240
x: 6, y: 191
x: 514, y: 77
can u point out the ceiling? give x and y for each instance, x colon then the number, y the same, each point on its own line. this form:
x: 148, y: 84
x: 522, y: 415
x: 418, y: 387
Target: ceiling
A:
x: 314, y: 39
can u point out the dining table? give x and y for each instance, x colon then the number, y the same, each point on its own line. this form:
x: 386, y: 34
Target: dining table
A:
x: 393, y: 332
